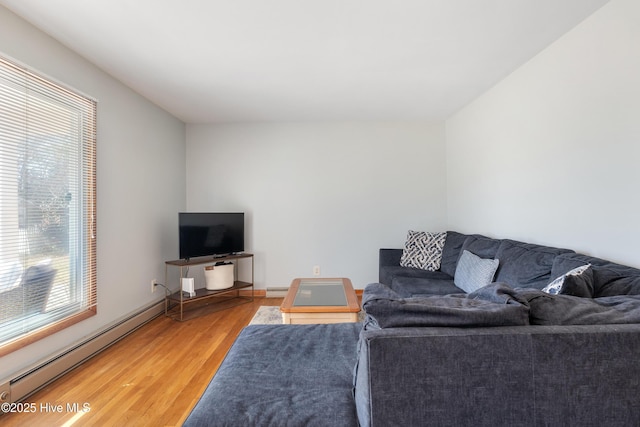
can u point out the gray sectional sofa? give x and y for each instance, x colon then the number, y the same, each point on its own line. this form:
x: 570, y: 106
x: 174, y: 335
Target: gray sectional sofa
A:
x: 430, y: 354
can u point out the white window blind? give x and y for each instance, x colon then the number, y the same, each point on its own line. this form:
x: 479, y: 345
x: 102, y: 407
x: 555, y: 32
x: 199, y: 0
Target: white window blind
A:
x: 47, y: 206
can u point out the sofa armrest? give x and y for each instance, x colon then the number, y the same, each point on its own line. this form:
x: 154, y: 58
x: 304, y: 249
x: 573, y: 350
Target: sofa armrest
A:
x: 388, y: 258
x: 498, y: 376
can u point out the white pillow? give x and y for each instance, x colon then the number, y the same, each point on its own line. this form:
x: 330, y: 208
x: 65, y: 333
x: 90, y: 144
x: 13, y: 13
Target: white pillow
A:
x: 473, y: 272
x: 556, y: 286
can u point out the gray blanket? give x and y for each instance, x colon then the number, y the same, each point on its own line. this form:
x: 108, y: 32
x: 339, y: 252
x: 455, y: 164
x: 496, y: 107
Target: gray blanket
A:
x: 548, y: 309
x: 493, y: 305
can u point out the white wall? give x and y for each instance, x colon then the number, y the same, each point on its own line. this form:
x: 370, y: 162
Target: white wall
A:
x: 140, y: 166
x: 551, y: 154
x: 320, y: 194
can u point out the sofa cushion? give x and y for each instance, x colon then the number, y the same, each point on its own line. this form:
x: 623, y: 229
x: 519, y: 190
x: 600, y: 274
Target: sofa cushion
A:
x: 435, y: 285
x: 577, y: 282
x: 423, y: 249
x: 484, y: 247
x: 451, y: 252
x: 494, y: 305
x: 388, y: 273
x: 609, y: 278
x: 524, y: 264
x: 473, y: 272
x: 547, y: 309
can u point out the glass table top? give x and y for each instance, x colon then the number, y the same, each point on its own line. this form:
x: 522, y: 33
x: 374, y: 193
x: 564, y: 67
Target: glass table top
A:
x: 320, y: 293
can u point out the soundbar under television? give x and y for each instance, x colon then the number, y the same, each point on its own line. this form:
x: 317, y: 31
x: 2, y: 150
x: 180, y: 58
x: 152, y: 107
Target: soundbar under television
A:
x: 210, y: 233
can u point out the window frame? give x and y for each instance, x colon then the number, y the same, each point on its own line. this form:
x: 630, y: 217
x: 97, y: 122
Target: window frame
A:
x: 86, y: 269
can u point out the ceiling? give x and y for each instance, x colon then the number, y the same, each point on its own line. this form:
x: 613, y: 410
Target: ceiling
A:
x: 212, y: 61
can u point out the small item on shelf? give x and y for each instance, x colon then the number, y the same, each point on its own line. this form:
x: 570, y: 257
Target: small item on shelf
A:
x: 188, y: 286
x: 219, y: 276
x: 178, y: 304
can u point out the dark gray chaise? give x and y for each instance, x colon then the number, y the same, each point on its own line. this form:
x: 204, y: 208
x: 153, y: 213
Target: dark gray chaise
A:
x: 430, y: 354
x: 284, y: 375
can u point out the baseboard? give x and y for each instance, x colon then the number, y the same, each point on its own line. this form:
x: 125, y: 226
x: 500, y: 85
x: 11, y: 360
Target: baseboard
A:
x: 258, y: 293
x: 277, y: 292
x: 36, y: 377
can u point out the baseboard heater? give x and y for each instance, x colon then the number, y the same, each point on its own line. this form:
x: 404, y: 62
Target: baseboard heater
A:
x: 35, y: 378
x: 277, y: 292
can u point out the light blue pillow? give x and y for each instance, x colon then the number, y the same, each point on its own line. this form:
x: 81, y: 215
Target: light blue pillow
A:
x: 473, y: 272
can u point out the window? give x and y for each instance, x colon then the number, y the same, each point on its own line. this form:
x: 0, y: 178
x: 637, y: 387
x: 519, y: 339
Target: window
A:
x: 47, y: 206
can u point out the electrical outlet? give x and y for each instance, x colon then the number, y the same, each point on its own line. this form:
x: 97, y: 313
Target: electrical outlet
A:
x: 316, y: 270
x: 153, y: 285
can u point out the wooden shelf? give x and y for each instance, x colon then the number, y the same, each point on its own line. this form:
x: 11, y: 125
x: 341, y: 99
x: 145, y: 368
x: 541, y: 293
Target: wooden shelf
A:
x: 178, y: 303
x: 207, y: 259
x: 206, y: 293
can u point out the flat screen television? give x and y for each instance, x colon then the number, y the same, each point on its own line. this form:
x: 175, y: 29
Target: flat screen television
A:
x: 210, y: 233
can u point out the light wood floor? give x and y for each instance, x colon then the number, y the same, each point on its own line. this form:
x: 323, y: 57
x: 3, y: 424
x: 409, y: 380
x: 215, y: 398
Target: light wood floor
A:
x: 153, y: 377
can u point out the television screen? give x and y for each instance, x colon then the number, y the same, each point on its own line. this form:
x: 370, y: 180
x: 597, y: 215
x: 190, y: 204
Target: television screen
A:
x: 210, y: 233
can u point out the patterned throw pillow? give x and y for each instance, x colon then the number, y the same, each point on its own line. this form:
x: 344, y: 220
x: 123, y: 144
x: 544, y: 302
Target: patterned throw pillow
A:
x: 423, y: 250
x: 473, y: 272
x: 577, y: 282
